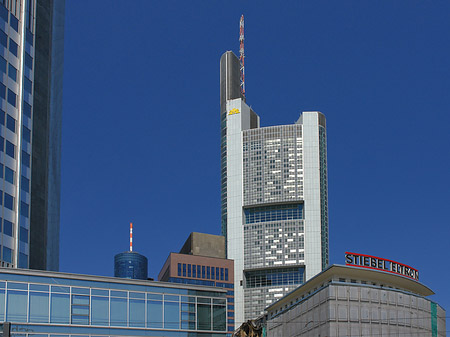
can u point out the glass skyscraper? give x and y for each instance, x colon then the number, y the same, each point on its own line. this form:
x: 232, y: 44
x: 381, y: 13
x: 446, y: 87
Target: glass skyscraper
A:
x: 274, y: 198
x: 31, y: 67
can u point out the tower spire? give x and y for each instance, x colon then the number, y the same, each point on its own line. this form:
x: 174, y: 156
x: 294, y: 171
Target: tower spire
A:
x: 241, y: 54
x: 131, y: 236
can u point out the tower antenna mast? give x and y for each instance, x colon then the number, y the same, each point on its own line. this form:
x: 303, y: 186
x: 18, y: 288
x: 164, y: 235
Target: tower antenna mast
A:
x: 241, y: 54
x: 131, y: 236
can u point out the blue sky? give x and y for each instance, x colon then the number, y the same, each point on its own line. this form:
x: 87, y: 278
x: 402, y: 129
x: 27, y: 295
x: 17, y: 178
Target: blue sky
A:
x: 141, y: 122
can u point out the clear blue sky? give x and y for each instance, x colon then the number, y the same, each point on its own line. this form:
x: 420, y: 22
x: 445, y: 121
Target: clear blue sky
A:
x: 141, y: 122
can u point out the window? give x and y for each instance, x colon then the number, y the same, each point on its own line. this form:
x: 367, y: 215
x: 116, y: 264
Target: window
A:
x: 23, y: 234
x: 226, y: 274
x: 25, y: 159
x: 203, y: 271
x: 39, y: 309
x: 25, y: 184
x: 9, y: 201
x: 2, y: 89
x: 99, y: 310
x: 7, y: 227
x: 10, y: 149
x: 194, y: 270
x: 4, y: 13
x: 3, y: 65
x: 213, y: 273
x: 9, y: 175
x: 11, y: 123
x: 179, y: 264
x: 12, y: 72
x: 2, y: 117
x: 26, y: 134
x: 28, y: 85
x: 184, y: 269
x: 28, y: 61
x: 14, y: 22
x: 12, y: 98
x: 217, y: 273
x: 3, y: 39
x: 208, y: 273
x: 29, y: 37
x: 1, y: 176
x: 7, y: 254
x: 24, y: 209
x: 13, y: 47
x: 189, y: 270
x: 26, y: 109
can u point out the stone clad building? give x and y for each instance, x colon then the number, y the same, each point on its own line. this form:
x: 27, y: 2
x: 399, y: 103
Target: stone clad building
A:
x: 352, y: 301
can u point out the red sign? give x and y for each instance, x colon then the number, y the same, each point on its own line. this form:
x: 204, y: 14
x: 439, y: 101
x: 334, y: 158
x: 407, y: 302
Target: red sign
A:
x: 373, y: 262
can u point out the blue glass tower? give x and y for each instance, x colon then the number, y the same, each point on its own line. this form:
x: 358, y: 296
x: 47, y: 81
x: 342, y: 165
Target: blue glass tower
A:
x: 131, y: 265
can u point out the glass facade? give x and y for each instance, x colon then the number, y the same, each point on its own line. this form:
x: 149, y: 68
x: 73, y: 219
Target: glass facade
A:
x: 30, y: 159
x: 131, y: 265
x: 94, y: 306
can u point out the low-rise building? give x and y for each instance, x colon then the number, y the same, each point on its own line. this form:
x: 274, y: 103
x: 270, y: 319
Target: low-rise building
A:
x: 355, y: 301
x: 42, y: 304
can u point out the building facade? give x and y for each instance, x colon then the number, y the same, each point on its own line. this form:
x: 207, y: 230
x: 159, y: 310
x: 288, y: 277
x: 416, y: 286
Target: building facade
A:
x: 41, y: 303
x: 274, y: 198
x: 210, y: 269
x: 31, y: 67
x: 351, y: 301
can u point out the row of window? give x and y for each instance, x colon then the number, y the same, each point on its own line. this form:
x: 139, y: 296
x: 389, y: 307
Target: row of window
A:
x: 10, y: 149
x: 204, y: 272
x: 274, y: 277
x: 8, y: 174
x: 20, y: 304
x: 273, y: 213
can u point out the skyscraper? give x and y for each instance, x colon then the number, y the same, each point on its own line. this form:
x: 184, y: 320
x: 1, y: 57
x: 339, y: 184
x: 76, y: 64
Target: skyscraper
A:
x: 31, y: 68
x: 274, y: 198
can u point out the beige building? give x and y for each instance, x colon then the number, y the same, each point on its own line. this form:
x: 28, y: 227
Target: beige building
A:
x: 354, y: 301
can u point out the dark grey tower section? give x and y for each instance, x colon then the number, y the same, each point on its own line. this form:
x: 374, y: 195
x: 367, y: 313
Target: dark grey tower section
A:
x: 46, y: 151
x: 230, y: 88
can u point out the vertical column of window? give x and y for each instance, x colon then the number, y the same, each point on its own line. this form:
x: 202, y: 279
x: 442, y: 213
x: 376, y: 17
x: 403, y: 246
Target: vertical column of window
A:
x: 118, y: 308
x: 39, y: 304
x: 204, y: 317
x: 171, y: 312
x: 184, y: 269
x: 80, y: 306
x: 179, y: 269
x: 188, y: 313
x: 100, y: 307
x: 2, y: 299
x: 16, y: 302
x: 154, y: 310
x: 213, y: 273
x: 136, y: 311
x: 219, y: 314
x: 60, y: 305
x: 194, y: 270
x: 189, y: 270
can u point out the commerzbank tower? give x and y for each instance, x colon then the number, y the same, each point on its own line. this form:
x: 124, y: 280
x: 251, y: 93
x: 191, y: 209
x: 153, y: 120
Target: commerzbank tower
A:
x: 273, y: 195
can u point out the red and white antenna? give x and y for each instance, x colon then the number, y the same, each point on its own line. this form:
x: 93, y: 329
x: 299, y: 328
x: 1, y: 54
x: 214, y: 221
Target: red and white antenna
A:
x: 241, y: 53
x: 131, y: 236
